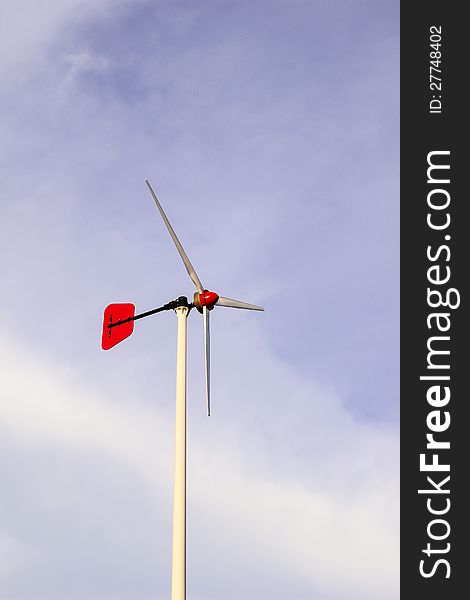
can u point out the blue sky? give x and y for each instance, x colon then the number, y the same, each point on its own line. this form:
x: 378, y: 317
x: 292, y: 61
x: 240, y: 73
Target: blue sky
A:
x: 270, y: 133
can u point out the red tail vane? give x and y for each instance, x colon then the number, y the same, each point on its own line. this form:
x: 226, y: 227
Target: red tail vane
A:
x: 115, y: 334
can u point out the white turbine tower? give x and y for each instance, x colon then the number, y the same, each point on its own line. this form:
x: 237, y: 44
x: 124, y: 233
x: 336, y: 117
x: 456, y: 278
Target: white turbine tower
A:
x: 118, y: 324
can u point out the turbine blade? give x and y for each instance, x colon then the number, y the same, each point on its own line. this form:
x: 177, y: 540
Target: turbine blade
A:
x: 207, y: 354
x: 187, y: 263
x: 236, y: 304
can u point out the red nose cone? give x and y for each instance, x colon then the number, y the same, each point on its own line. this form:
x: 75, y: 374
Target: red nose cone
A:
x: 208, y: 298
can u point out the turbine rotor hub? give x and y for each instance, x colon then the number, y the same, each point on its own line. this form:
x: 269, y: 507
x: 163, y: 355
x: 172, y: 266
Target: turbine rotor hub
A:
x: 205, y: 298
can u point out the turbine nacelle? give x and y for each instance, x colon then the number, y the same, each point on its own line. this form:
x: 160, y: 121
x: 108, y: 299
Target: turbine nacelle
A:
x: 205, y: 298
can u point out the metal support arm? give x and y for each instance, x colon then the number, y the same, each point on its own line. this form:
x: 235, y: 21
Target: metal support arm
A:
x: 181, y: 301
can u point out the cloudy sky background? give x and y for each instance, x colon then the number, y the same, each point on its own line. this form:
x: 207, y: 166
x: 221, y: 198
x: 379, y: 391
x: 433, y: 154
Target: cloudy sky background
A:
x: 270, y: 132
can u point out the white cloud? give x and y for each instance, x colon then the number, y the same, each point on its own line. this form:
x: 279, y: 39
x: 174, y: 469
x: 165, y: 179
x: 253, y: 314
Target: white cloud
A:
x: 296, y: 528
x: 13, y: 556
x: 84, y: 61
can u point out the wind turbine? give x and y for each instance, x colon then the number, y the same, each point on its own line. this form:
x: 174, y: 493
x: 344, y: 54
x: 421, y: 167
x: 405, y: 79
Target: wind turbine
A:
x: 118, y: 324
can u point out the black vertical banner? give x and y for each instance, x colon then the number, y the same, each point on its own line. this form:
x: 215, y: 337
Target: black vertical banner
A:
x: 435, y: 252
